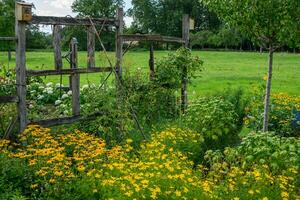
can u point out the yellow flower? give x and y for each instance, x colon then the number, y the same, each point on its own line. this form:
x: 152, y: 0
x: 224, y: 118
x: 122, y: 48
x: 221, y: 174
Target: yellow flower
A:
x: 251, y: 192
x: 265, y: 78
x: 81, y: 168
x: 236, y: 198
x: 58, y: 173
x: 284, y: 195
x: 34, y: 186
x: 129, y: 193
x: 177, y: 193
x: 265, y: 198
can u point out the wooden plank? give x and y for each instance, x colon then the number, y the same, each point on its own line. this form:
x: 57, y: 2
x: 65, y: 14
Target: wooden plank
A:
x: 152, y: 37
x: 184, y: 79
x: 91, y: 47
x: 75, y: 78
x: 151, y: 62
x: 65, y: 120
x: 49, y: 20
x: 119, y: 43
x: 8, y: 38
x: 57, y: 47
x: 31, y: 73
x: 56, y: 122
x: 9, y: 99
x: 21, y: 74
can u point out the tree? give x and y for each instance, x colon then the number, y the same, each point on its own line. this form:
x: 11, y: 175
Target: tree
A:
x: 165, y: 16
x: 269, y: 22
x: 7, y: 21
x: 96, y: 8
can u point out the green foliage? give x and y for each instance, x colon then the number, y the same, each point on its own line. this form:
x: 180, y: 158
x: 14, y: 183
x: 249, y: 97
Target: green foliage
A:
x: 165, y: 16
x: 269, y: 22
x: 216, y: 119
x: 259, y: 149
x: 282, y: 114
x: 170, y: 70
x: 96, y: 9
x: 15, y: 178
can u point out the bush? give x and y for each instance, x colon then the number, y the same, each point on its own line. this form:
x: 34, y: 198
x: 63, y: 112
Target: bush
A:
x: 283, y: 111
x: 260, y: 149
x: 214, y: 118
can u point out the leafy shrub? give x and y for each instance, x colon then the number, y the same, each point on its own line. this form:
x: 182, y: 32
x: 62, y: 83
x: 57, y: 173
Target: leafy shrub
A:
x: 171, y: 69
x: 260, y: 149
x: 214, y: 118
x: 283, y: 112
x: 157, y: 100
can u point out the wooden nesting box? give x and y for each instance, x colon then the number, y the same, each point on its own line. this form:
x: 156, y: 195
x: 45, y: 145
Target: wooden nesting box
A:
x: 23, y: 11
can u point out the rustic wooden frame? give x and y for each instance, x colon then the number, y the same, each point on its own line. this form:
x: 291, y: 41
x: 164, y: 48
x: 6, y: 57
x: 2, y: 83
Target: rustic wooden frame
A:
x: 22, y: 73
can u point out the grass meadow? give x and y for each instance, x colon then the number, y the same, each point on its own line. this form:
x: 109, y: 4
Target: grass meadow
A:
x: 222, y: 69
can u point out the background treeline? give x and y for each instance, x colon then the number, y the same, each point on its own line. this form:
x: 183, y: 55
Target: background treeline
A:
x: 155, y: 16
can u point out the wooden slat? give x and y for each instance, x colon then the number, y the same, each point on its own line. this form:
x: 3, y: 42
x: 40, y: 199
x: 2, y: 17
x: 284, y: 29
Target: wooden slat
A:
x: 57, y: 47
x: 119, y: 43
x: 151, y: 62
x: 8, y: 99
x: 21, y: 73
x: 49, y: 20
x: 91, y: 47
x: 8, y: 39
x: 75, y: 78
x: 150, y: 37
x: 184, y: 78
x: 65, y: 120
x: 32, y: 73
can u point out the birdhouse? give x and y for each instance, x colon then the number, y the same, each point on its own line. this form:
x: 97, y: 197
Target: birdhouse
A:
x: 24, y: 11
x: 192, y: 24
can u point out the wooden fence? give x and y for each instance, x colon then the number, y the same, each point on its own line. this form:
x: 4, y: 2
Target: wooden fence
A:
x: 74, y: 71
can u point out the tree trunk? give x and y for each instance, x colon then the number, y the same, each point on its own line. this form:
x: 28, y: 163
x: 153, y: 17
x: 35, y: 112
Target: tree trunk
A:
x: 261, y: 50
x: 268, y: 91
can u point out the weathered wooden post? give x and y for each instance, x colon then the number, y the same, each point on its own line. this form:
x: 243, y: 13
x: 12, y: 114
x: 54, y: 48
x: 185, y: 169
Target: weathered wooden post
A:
x: 91, y: 47
x: 22, y: 16
x: 75, y: 78
x: 119, y: 44
x: 57, y: 47
x: 184, y: 80
x: 151, y: 63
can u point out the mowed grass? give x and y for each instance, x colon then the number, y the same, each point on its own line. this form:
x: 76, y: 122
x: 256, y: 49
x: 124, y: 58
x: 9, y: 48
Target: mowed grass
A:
x: 222, y: 69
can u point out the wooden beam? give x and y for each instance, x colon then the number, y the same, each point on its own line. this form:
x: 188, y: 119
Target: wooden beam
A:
x: 184, y: 78
x: 57, y: 47
x: 75, y: 78
x: 21, y: 73
x: 8, y: 39
x: 49, y: 20
x: 32, y: 73
x: 119, y: 43
x: 151, y: 37
x: 151, y: 63
x: 91, y: 47
x: 9, y: 99
x: 65, y: 120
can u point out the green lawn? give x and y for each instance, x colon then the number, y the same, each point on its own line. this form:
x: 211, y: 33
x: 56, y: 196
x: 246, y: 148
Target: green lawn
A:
x: 222, y: 69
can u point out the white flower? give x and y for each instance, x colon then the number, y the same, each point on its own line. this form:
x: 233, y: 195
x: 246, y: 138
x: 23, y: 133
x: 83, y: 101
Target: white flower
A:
x: 64, y: 96
x: 40, y: 97
x: 50, y: 92
x: 41, y: 87
x: 58, y: 102
x: 49, y: 84
x: 69, y: 93
x: 31, y: 106
x: 58, y: 85
x: 85, y: 87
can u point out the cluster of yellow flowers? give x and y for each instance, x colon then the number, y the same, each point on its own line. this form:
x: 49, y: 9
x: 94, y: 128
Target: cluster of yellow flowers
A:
x: 286, y: 100
x: 158, y: 170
